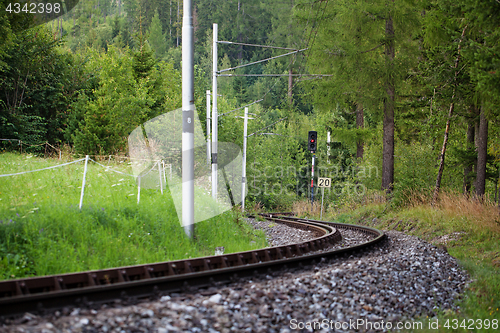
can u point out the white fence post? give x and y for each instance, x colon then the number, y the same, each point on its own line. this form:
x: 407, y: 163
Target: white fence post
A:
x: 164, y: 173
x: 83, y: 182
x: 139, y: 190
x: 159, y: 177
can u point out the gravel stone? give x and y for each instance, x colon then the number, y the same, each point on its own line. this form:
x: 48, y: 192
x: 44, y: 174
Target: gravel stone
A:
x: 400, y: 279
x: 280, y: 234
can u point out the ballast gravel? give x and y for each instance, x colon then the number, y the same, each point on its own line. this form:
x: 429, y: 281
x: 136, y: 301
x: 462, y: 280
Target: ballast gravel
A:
x: 376, y: 290
x: 279, y: 234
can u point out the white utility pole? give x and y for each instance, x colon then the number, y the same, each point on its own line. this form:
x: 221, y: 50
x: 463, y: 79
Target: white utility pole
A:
x: 208, y: 129
x: 188, y: 119
x: 328, y: 147
x: 83, y: 181
x: 244, y: 162
x: 214, y: 114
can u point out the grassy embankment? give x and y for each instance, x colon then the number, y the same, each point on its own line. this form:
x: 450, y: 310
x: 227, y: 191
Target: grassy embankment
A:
x: 470, y: 231
x: 42, y: 230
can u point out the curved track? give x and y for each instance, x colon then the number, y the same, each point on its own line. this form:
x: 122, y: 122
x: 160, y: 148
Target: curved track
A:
x: 41, y: 294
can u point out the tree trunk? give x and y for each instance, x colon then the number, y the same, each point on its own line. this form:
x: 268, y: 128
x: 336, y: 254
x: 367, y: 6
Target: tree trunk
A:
x: 388, y: 139
x: 241, y: 14
x: 443, y: 150
x: 470, y: 147
x: 498, y: 194
x: 476, y: 129
x: 360, y: 123
x: 482, y: 151
x: 177, y: 28
x: 448, y: 123
x: 496, y: 187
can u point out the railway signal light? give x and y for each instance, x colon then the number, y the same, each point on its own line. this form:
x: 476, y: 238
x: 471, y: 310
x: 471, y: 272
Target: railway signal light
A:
x: 312, y: 141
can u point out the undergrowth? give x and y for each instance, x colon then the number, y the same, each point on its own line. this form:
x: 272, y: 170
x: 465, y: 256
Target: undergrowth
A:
x: 467, y: 227
x: 42, y: 230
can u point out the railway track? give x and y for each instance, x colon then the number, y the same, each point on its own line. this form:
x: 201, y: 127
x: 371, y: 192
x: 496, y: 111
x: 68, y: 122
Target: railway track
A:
x: 89, y: 289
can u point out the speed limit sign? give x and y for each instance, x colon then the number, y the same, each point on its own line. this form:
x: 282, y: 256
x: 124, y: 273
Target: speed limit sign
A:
x: 324, y: 182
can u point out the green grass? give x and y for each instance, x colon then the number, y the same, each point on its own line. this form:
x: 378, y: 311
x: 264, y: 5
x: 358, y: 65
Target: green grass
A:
x: 42, y: 230
x: 477, y: 248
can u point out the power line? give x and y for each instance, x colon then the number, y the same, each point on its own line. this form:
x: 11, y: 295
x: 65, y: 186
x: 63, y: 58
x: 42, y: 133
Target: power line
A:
x: 257, y: 45
x: 267, y: 126
x: 315, y: 75
x: 258, y: 62
x: 315, y: 23
x: 244, y: 106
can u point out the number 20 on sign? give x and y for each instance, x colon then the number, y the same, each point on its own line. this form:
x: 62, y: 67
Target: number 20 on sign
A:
x: 324, y: 182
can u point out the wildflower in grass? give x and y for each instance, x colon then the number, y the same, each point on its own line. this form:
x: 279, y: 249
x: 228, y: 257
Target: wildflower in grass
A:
x: 17, y: 216
x: 102, y: 209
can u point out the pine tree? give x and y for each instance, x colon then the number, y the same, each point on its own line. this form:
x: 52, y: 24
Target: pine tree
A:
x: 365, y: 46
x: 143, y: 59
x: 124, y: 37
x: 157, y: 39
x: 115, y: 30
x: 485, y: 72
x: 477, y: 85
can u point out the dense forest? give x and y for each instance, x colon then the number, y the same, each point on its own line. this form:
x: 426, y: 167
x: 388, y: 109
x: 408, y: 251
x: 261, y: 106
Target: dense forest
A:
x: 409, y: 91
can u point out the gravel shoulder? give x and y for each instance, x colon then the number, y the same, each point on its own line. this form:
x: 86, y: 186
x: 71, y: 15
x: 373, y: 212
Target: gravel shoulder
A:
x: 402, y: 278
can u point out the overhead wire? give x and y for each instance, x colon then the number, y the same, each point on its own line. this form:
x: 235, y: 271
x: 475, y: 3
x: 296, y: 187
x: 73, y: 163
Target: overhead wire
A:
x: 315, y: 23
x: 285, y: 3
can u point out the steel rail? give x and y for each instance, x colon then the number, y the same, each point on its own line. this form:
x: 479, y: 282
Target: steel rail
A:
x: 92, y: 288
